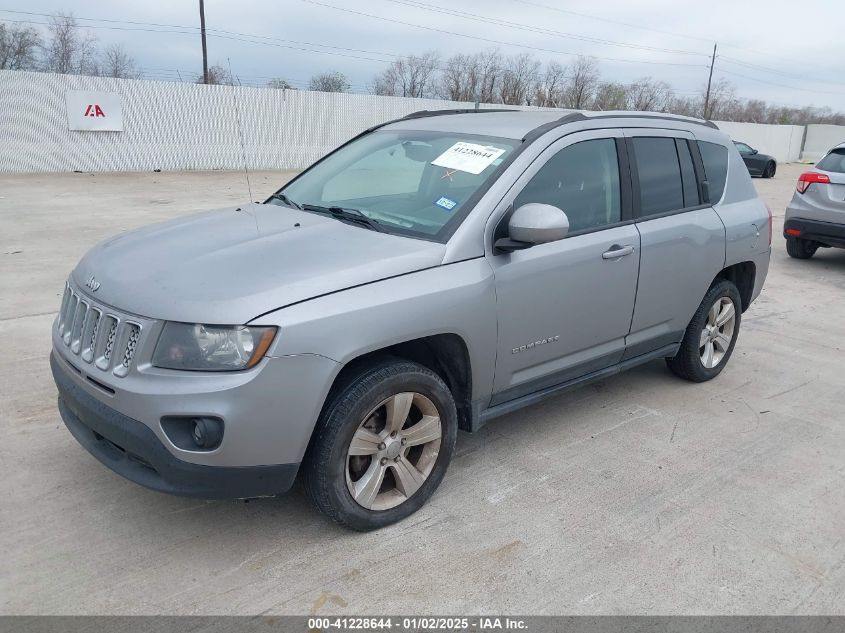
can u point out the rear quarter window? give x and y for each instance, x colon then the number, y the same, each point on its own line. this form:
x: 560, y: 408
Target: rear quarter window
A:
x: 835, y: 161
x: 715, y: 159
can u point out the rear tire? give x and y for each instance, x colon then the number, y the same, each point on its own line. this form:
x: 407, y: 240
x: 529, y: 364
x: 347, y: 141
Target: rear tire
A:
x: 382, y: 445
x: 770, y: 169
x: 801, y: 249
x: 710, y: 336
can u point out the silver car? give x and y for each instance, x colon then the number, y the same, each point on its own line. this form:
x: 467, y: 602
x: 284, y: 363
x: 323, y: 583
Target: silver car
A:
x: 431, y: 274
x: 816, y: 215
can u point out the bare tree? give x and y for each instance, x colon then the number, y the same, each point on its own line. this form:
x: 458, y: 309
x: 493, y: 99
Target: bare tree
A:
x: 472, y: 77
x: 329, y: 82
x: 723, y: 102
x: 458, y: 79
x: 19, y: 47
x: 280, y: 84
x: 548, y: 91
x: 69, y: 50
x: 686, y: 106
x: 411, y: 76
x: 610, y: 95
x: 519, y: 79
x: 754, y: 111
x: 489, y: 75
x: 217, y: 75
x: 581, y: 83
x: 116, y: 62
x: 648, y: 94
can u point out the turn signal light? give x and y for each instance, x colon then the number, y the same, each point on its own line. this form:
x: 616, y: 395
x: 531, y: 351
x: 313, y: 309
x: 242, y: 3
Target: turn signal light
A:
x: 808, y: 178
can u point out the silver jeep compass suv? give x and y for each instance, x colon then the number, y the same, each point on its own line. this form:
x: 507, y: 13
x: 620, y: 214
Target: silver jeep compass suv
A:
x: 429, y: 275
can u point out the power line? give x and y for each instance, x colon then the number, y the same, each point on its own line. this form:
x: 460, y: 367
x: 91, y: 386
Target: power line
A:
x: 536, y: 29
x: 685, y: 36
x: 773, y: 83
x: 739, y: 62
x: 594, y: 17
x: 490, y: 40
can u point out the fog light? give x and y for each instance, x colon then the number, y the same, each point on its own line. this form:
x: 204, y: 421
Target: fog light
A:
x: 192, y: 433
x: 206, y: 433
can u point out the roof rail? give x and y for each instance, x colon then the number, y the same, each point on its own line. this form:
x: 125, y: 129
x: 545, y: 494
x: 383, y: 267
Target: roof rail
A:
x: 668, y: 117
x: 573, y: 117
x: 426, y: 113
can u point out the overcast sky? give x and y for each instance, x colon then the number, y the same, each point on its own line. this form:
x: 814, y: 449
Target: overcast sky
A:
x: 790, y: 53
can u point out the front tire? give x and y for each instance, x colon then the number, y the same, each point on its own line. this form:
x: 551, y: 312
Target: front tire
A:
x: 800, y: 249
x: 382, y: 445
x: 711, y: 335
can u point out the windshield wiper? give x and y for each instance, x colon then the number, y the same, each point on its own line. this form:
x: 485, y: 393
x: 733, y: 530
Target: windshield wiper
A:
x: 347, y: 214
x: 285, y: 199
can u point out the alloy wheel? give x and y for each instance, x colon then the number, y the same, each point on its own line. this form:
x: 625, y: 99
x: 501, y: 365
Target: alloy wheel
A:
x: 718, y: 332
x: 393, y: 451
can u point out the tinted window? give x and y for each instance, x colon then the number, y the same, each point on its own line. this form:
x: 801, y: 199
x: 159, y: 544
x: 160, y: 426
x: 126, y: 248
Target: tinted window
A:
x: 715, y: 159
x: 660, y: 175
x: 835, y: 161
x: 743, y: 148
x: 583, y: 180
x: 687, y: 174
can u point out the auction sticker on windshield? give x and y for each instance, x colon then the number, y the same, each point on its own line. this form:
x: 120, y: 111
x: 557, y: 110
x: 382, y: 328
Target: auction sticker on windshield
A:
x: 469, y: 157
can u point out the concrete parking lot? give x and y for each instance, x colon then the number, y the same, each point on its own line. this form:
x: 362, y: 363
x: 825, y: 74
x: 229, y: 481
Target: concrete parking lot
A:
x: 638, y: 494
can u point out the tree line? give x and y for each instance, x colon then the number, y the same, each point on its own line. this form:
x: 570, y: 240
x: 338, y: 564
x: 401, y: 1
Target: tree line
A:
x: 491, y: 77
x: 66, y: 49
x: 483, y: 77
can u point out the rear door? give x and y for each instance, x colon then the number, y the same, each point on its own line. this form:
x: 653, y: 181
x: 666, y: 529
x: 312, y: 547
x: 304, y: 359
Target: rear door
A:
x: 682, y: 238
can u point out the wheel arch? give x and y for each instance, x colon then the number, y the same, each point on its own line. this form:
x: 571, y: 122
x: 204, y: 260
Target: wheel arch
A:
x: 447, y: 355
x: 743, y: 275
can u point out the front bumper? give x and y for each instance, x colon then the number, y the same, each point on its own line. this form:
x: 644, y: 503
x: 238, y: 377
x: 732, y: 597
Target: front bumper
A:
x: 829, y: 233
x: 132, y: 450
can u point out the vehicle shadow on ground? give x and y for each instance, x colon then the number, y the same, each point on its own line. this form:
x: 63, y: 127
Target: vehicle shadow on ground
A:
x: 291, y: 517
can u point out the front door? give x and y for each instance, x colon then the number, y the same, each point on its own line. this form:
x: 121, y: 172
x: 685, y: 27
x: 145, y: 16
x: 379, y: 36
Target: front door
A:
x: 564, y: 308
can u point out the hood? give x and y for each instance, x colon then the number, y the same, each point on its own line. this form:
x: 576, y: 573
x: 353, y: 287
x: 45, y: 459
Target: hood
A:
x: 231, y: 265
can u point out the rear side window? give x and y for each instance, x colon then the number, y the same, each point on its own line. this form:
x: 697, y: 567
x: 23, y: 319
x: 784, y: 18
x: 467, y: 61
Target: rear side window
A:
x: 835, y: 161
x: 661, y: 188
x: 715, y: 159
x: 691, y: 198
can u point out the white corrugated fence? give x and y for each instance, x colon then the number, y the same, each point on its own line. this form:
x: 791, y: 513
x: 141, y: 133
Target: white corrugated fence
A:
x: 178, y: 126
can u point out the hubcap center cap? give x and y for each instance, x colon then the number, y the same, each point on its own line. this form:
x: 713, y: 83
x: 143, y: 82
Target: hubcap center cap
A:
x: 393, y: 449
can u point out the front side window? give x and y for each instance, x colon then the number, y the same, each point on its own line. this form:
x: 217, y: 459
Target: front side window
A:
x: 583, y: 181
x: 743, y: 148
x: 413, y: 183
x: 661, y: 188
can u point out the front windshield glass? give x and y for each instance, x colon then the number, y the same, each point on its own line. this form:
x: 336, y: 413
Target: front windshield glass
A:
x: 413, y: 183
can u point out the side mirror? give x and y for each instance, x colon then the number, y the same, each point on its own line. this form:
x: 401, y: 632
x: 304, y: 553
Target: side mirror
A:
x: 532, y: 224
x: 753, y: 151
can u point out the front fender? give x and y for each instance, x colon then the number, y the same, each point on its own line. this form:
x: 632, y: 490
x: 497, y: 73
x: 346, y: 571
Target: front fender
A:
x: 456, y: 298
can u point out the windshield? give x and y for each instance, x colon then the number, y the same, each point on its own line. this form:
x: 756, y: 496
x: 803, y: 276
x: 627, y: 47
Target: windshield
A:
x: 413, y: 183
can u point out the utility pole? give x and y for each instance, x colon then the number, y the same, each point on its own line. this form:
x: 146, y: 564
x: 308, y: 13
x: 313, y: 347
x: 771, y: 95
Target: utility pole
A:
x: 709, y: 79
x: 205, y: 51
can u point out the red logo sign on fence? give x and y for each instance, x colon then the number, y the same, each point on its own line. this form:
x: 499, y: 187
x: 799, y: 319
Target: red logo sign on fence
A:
x: 94, y: 110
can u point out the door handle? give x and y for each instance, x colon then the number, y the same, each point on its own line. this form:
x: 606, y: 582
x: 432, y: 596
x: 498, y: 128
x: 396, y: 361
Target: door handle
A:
x: 616, y: 251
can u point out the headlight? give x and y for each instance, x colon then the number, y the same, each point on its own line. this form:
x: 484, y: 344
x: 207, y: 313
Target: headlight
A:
x: 211, y: 347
